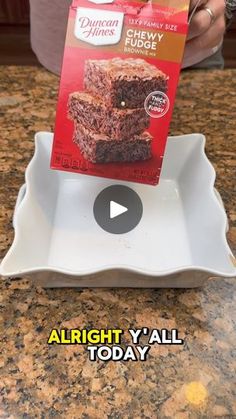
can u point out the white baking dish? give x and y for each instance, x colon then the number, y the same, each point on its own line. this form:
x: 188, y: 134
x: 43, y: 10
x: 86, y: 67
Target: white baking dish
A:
x: 180, y: 241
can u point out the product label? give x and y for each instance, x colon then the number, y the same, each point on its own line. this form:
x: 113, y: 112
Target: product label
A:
x: 120, y: 73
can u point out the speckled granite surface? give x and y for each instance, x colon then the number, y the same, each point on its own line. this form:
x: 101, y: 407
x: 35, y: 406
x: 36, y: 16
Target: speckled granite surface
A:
x: 197, y: 380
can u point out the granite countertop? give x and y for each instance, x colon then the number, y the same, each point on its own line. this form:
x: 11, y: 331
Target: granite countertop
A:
x: 196, y: 380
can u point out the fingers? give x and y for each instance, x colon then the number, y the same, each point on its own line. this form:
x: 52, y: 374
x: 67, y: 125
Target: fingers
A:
x: 205, y: 36
x: 201, y: 20
x: 200, y: 56
x: 209, y: 38
x: 204, y: 45
x: 197, y: 3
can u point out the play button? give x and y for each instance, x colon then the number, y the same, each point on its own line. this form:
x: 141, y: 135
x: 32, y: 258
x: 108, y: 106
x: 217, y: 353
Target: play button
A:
x: 118, y: 209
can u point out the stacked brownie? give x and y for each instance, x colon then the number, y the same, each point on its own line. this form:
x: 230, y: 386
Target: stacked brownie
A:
x: 109, y: 116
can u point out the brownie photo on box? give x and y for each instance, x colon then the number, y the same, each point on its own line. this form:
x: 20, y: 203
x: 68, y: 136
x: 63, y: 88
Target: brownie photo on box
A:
x: 99, y: 148
x: 93, y: 113
x: 123, y: 83
x: 109, y: 117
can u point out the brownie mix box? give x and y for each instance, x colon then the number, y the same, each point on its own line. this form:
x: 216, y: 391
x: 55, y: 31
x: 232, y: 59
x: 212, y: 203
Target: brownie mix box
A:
x: 119, y: 77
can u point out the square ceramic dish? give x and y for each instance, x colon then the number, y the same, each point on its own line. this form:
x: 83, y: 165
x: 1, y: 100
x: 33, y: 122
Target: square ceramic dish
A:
x: 179, y: 242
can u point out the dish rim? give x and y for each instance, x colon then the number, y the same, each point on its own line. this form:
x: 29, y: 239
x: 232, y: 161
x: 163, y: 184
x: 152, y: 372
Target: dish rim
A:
x: 22, y: 201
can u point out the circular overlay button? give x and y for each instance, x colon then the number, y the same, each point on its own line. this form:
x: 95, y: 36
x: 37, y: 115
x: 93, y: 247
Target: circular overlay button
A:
x: 118, y: 209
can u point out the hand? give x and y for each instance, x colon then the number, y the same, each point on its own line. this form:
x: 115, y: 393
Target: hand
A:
x: 205, y: 34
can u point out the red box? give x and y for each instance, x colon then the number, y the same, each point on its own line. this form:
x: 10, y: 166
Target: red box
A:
x: 119, y: 77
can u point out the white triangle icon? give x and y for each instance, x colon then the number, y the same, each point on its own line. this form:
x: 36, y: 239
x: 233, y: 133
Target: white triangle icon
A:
x: 116, y: 209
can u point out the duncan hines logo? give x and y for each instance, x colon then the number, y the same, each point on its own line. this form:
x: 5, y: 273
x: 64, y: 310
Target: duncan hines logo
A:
x: 98, y: 27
